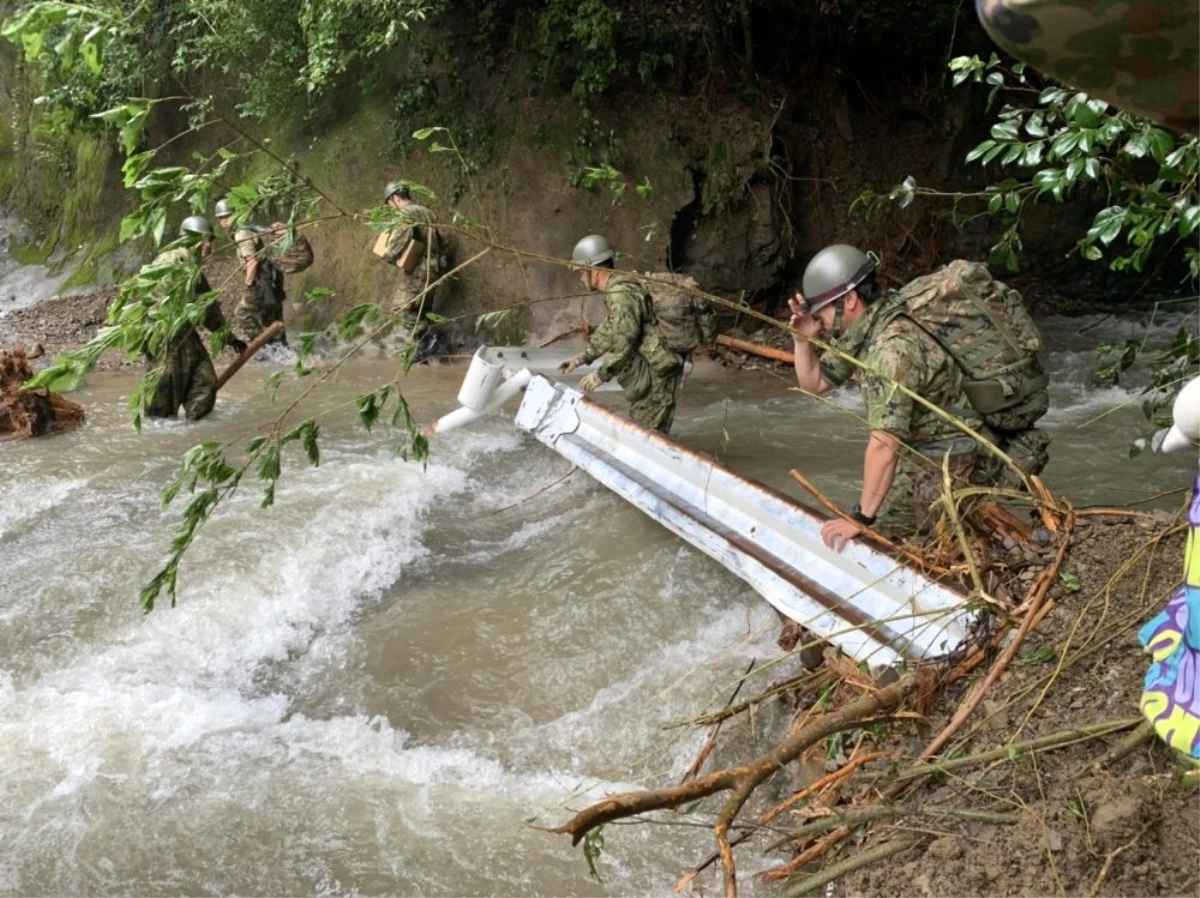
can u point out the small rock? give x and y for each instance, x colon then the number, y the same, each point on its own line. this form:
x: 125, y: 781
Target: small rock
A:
x: 1054, y: 840
x: 946, y: 848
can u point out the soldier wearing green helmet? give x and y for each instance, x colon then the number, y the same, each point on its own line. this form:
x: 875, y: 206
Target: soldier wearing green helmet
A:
x: 415, y: 289
x: 629, y: 339
x: 902, y: 468
x: 263, y: 291
x: 187, y: 375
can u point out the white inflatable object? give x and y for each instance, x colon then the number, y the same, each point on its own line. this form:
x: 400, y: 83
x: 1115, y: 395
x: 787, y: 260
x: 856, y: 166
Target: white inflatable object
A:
x: 1185, y: 432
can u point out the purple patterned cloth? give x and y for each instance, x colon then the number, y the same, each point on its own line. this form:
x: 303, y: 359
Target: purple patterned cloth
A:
x: 1171, y: 694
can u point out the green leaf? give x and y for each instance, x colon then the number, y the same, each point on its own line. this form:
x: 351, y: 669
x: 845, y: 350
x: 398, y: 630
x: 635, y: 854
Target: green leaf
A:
x: 1070, y: 582
x: 368, y: 410
x: 1189, y: 218
x: 1047, y: 179
x: 1107, y: 224
x: 1006, y: 130
x: 1043, y: 654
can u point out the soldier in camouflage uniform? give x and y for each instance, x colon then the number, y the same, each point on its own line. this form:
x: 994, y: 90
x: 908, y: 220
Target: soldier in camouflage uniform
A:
x: 629, y: 338
x: 1143, y: 57
x: 188, y: 378
x: 414, y: 290
x: 902, y: 468
x: 263, y: 295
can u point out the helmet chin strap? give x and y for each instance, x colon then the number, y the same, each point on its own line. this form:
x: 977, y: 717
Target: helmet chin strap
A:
x: 839, y: 307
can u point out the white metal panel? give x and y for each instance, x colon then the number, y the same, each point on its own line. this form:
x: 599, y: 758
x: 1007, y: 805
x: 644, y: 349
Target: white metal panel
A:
x: 873, y: 607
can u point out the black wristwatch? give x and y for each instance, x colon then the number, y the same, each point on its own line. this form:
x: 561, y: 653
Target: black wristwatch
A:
x: 857, y: 514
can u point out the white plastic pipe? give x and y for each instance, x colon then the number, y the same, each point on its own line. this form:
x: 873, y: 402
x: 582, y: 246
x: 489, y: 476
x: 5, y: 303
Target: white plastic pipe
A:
x: 498, y: 396
x: 481, y: 379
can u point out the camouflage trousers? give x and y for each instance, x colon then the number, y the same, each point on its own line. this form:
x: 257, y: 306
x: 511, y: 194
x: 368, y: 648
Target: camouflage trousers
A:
x: 651, y: 395
x: 410, y: 295
x: 913, y: 505
x: 188, y: 379
x: 256, y: 312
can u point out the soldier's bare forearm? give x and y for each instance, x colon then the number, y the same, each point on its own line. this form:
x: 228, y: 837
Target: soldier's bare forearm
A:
x: 879, y: 470
x: 808, y: 368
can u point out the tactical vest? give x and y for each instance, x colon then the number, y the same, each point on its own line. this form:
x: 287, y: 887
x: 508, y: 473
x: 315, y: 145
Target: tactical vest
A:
x: 983, y: 325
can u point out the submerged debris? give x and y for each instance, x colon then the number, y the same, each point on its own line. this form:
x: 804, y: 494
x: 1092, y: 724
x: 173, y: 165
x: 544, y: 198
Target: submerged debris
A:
x: 30, y: 413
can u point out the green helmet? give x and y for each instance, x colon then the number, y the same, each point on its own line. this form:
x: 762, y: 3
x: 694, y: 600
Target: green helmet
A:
x: 395, y: 188
x: 195, y: 225
x: 592, y: 250
x: 834, y: 272
x: 223, y: 209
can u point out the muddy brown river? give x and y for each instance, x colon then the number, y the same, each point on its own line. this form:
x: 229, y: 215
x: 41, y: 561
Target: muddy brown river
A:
x: 388, y: 681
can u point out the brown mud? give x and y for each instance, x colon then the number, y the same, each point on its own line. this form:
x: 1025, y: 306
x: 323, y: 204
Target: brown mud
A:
x: 1085, y: 823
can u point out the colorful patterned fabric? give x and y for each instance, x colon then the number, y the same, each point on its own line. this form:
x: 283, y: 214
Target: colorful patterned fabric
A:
x: 1171, y: 694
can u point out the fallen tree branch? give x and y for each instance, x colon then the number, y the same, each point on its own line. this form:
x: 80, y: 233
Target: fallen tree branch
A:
x: 818, y: 679
x: 775, y: 760
x: 255, y: 345
x: 819, y: 784
x: 1127, y: 746
x: 628, y: 804
x: 807, y: 856
x: 850, y: 864
x: 686, y: 879
x: 858, y: 816
x: 766, y: 352
x: 975, y: 696
x: 694, y: 770
x: 1052, y: 740
x: 1112, y: 856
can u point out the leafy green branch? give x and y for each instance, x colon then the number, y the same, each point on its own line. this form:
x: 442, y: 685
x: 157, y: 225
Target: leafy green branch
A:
x: 1068, y: 141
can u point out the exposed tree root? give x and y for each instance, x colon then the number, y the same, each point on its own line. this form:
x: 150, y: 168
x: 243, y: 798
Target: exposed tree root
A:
x: 30, y: 413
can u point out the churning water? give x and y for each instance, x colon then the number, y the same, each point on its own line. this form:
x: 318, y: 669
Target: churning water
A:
x: 386, y: 683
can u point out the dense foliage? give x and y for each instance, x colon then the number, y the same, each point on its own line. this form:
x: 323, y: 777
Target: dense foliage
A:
x: 1055, y: 143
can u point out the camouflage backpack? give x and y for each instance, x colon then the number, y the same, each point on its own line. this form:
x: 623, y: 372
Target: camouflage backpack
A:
x: 982, y: 323
x: 290, y: 249
x: 684, y: 319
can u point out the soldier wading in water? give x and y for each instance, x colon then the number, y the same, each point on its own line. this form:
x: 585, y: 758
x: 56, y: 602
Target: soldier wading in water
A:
x: 188, y: 378
x: 629, y: 337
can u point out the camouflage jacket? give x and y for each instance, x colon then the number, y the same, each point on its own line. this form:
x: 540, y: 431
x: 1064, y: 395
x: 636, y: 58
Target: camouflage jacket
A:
x: 418, y: 221
x: 1141, y: 57
x: 894, y: 350
x: 620, y: 333
x: 248, y: 241
x: 214, y: 319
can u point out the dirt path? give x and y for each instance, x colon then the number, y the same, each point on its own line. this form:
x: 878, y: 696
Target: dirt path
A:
x: 1085, y: 828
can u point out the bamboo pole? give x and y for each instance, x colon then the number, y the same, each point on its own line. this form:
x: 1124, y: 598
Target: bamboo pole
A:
x: 255, y: 345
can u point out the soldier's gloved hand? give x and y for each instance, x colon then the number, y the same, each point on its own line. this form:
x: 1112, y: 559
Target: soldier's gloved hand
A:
x: 571, y: 364
x: 590, y: 381
x: 237, y: 345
